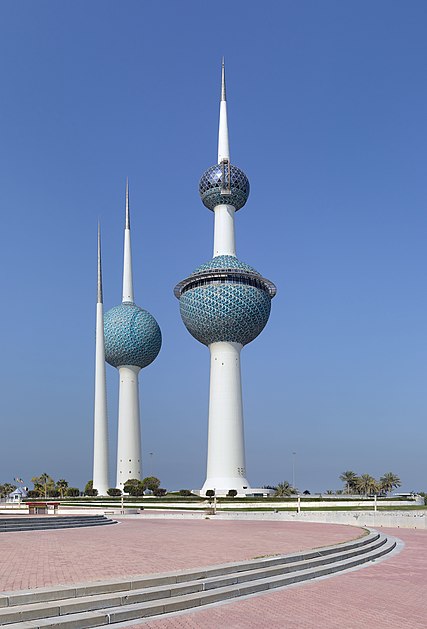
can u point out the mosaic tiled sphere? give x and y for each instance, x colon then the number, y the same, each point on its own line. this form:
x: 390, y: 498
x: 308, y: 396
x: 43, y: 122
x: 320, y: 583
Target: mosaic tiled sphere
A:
x: 225, y: 300
x: 132, y: 336
x: 216, y: 179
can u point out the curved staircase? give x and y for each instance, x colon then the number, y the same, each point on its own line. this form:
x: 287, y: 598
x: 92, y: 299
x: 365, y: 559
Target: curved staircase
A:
x: 49, y: 522
x: 103, y: 603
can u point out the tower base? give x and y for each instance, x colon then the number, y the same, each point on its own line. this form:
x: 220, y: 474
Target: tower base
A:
x: 222, y: 486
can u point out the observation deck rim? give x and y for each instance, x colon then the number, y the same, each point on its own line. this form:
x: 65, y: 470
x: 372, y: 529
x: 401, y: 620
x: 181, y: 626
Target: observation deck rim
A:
x: 225, y: 273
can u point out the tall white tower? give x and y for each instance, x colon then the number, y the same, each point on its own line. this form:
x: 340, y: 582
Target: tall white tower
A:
x: 225, y: 304
x: 132, y: 341
x: 100, y: 436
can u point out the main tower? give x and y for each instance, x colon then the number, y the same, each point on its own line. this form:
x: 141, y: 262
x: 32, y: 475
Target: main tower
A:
x: 132, y: 341
x: 225, y: 304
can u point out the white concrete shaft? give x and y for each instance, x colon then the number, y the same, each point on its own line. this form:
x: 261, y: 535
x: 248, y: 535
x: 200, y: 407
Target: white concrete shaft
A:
x: 223, y: 142
x: 224, y: 239
x: 226, y: 468
x: 129, y: 430
x: 127, y: 269
x: 100, y: 436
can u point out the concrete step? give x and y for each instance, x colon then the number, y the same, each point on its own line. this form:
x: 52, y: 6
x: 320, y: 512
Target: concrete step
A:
x: 22, y: 597
x: 41, y: 518
x: 52, y: 522
x: 87, y: 607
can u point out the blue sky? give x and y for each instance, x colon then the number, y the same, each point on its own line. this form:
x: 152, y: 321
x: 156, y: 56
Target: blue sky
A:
x: 327, y: 105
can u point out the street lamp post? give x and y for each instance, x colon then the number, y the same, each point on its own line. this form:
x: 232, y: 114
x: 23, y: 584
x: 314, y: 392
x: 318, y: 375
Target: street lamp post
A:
x: 293, y: 469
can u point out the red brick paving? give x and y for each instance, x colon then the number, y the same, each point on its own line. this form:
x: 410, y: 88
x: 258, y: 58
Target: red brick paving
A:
x: 389, y: 595
x: 35, y: 559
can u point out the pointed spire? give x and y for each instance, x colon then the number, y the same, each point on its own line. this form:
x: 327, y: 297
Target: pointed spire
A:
x: 223, y: 144
x: 223, y: 91
x: 127, y: 220
x: 99, y: 266
x: 127, y: 257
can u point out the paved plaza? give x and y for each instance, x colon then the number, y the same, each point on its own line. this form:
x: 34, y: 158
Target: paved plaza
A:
x: 391, y: 594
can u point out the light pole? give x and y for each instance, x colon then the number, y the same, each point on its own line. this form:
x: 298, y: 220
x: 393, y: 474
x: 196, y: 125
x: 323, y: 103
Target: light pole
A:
x: 151, y: 463
x: 293, y: 469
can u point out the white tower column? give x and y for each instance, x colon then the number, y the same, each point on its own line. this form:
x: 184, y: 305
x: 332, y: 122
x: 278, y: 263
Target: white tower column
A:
x: 129, y: 430
x: 224, y: 239
x: 226, y: 467
x: 100, y: 436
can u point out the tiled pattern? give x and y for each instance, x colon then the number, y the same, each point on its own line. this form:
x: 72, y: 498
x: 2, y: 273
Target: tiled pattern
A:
x: 132, y: 336
x: 225, y: 312
x: 212, y: 182
x: 222, y: 310
x: 225, y: 262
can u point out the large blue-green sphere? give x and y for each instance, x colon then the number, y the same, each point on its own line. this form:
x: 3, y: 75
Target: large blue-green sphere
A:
x: 225, y: 300
x: 132, y: 336
x: 222, y: 177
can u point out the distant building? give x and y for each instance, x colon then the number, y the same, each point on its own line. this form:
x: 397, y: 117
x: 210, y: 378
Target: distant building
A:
x: 19, y: 494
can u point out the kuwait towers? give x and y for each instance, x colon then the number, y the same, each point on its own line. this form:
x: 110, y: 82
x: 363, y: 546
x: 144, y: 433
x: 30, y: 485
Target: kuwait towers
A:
x: 225, y: 304
x: 132, y: 341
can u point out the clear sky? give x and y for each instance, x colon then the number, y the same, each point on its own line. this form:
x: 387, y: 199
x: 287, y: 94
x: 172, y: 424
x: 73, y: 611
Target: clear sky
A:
x: 327, y: 114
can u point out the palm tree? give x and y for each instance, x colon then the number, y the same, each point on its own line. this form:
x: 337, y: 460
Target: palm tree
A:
x: 6, y: 489
x: 62, y: 485
x: 366, y: 484
x: 43, y: 483
x: 388, y: 481
x: 285, y: 489
x: 349, y: 478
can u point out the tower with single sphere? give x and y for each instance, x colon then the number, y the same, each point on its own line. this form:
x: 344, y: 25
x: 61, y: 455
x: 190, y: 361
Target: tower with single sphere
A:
x: 132, y: 341
x: 225, y: 304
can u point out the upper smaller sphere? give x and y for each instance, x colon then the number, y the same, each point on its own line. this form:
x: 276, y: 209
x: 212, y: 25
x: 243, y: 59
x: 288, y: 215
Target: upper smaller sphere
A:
x: 224, y: 184
x: 132, y: 336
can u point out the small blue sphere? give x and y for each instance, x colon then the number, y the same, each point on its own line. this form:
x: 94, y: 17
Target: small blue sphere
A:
x: 224, y: 184
x: 225, y: 300
x: 132, y: 336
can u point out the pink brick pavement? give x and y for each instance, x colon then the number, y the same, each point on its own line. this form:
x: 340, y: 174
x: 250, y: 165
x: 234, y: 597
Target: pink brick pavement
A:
x: 35, y: 559
x: 389, y: 595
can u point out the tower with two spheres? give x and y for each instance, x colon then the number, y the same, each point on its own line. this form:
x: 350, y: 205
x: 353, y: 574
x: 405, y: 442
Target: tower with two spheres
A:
x: 225, y: 304
x: 130, y: 339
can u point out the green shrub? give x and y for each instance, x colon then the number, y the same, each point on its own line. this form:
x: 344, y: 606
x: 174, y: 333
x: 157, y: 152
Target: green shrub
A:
x: 89, y: 485
x: 113, y: 491
x: 134, y: 487
x: 185, y: 492
x: 210, y: 494
x: 160, y: 491
x: 151, y: 482
x: 91, y: 492
x: 73, y: 492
